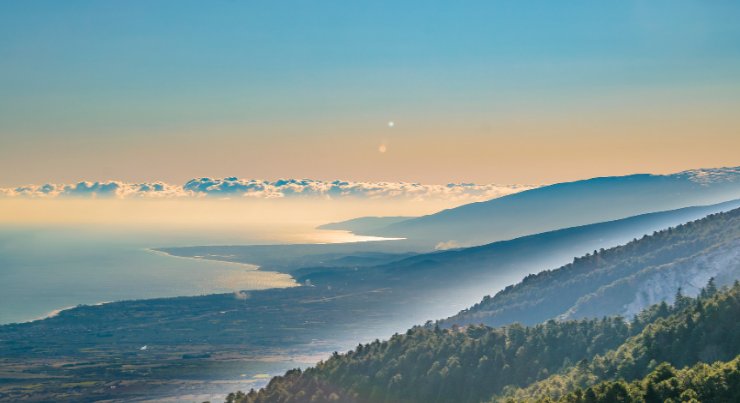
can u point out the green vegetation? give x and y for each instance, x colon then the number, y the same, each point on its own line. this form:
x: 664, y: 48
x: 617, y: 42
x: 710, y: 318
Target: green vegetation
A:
x: 604, y: 281
x: 196, y: 343
x: 702, y: 330
x: 709, y: 383
x: 475, y: 363
x: 470, y: 363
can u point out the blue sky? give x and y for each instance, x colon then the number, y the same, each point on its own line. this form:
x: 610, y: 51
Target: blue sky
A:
x: 263, y: 89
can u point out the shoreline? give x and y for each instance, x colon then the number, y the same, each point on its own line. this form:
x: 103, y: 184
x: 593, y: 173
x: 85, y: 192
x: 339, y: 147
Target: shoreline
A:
x: 251, y: 267
x: 56, y: 312
x: 208, y: 258
x: 201, y: 258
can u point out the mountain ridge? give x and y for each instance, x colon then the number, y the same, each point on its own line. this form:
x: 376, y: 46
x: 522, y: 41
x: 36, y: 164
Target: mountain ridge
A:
x: 569, y: 204
x: 516, y: 363
x: 607, y: 281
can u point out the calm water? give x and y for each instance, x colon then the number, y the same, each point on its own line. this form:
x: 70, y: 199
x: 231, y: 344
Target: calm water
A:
x: 43, y: 270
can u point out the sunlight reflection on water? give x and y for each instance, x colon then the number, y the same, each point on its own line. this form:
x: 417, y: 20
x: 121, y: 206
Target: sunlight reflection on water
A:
x: 43, y: 270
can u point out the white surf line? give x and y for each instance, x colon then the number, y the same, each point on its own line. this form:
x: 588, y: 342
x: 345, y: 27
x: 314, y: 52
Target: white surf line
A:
x: 241, y: 265
x: 56, y: 312
x: 252, y: 266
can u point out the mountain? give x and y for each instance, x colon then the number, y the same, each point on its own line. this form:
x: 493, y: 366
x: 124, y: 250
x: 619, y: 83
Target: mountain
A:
x: 711, y: 383
x: 351, y: 300
x: 439, y: 284
x: 517, y: 363
x: 336, y: 307
x: 459, y: 276
x: 621, y: 280
x: 568, y: 204
x: 704, y: 330
x: 364, y: 225
x: 568, y: 349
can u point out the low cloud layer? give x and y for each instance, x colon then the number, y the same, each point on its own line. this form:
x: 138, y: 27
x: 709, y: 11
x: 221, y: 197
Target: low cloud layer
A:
x: 254, y: 188
x: 233, y: 188
x: 110, y: 189
x: 710, y: 176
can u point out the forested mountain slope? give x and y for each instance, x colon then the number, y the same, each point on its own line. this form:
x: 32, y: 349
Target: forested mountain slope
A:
x: 475, y: 363
x: 702, y: 330
x: 335, y: 308
x: 430, y: 364
x: 621, y: 280
x: 709, y: 383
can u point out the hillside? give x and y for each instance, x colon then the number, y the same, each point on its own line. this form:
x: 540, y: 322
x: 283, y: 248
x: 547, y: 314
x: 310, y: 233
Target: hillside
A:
x: 429, y: 364
x: 335, y: 308
x: 567, y: 205
x: 703, y: 330
x: 451, y: 280
x: 472, y: 363
x: 621, y: 280
x: 718, y: 382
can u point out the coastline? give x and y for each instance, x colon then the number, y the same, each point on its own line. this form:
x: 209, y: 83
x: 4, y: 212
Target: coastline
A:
x: 243, y: 266
x: 215, y: 259
x: 252, y: 266
x: 56, y: 312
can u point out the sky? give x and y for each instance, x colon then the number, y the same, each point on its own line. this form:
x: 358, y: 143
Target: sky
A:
x: 525, y: 92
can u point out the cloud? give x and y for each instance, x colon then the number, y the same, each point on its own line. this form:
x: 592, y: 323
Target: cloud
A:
x: 109, y: 189
x: 242, y: 295
x: 233, y: 187
x: 451, y: 244
x: 710, y: 176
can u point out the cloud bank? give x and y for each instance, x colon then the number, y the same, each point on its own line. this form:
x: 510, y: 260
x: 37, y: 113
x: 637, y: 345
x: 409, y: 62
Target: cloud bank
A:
x: 233, y: 187
x: 710, y: 176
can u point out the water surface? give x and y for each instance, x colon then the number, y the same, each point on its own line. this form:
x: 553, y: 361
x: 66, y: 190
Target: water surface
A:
x: 45, y: 269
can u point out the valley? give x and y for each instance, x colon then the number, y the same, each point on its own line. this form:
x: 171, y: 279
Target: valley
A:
x: 160, y: 341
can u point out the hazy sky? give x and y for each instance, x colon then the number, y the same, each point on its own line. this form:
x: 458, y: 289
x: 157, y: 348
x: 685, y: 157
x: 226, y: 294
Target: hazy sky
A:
x: 489, y: 91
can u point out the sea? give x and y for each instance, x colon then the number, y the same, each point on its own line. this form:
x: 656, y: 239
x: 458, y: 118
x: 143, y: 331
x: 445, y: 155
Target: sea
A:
x: 47, y: 269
